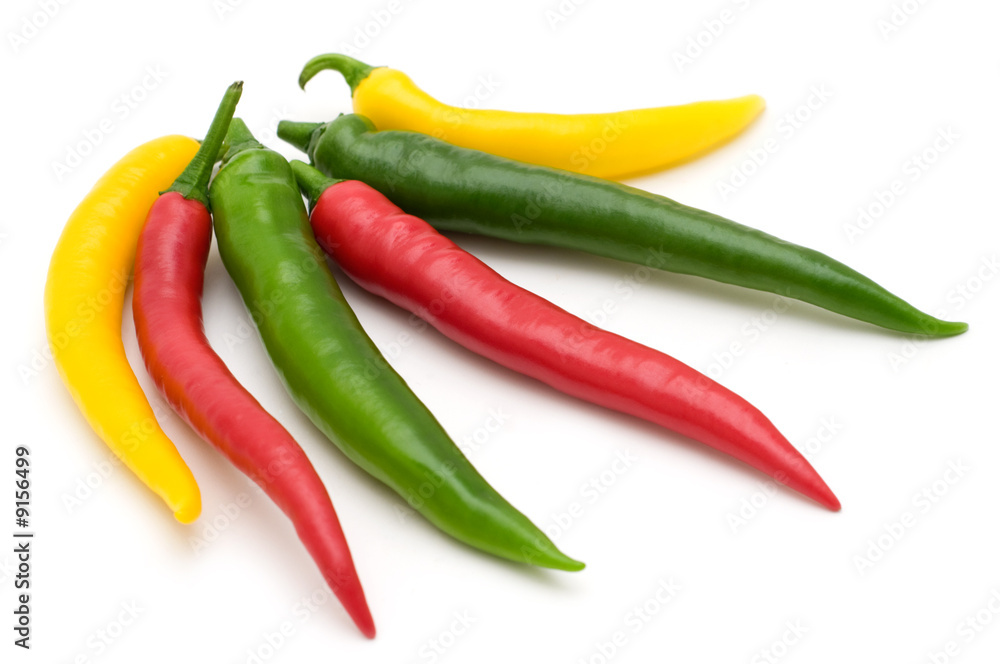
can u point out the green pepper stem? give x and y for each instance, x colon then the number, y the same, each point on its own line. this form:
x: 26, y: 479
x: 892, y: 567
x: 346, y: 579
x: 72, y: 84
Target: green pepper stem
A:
x: 298, y: 134
x: 239, y: 139
x: 193, y: 182
x: 311, y: 181
x: 353, y: 70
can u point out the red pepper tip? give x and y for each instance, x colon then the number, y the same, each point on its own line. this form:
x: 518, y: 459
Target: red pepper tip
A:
x: 823, y: 495
x: 347, y: 588
x: 362, y: 617
x: 797, y: 474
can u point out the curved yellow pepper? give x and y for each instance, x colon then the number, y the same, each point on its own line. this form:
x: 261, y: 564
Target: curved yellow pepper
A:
x: 84, y: 298
x: 608, y: 145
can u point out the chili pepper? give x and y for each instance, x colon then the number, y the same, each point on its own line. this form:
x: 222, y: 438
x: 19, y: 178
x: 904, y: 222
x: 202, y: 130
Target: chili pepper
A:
x: 166, y: 302
x: 403, y: 259
x: 458, y: 189
x: 610, y: 145
x: 84, y: 298
x: 333, y: 370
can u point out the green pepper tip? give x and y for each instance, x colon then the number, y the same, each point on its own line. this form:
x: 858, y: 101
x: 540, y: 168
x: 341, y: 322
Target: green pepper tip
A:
x: 570, y: 565
x: 950, y: 328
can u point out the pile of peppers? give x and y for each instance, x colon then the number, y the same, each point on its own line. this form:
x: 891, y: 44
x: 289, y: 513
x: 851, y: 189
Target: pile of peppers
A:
x: 382, y: 185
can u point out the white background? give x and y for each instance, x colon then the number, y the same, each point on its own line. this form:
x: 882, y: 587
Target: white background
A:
x: 893, y: 413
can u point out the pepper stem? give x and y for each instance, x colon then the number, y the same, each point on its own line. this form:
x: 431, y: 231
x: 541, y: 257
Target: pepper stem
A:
x: 193, y: 182
x: 353, y: 70
x: 298, y: 134
x: 311, y: 181
x: 239, y: 139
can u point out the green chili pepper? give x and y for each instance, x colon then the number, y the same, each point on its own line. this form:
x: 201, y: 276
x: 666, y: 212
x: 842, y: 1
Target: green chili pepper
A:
x: 333, y: 370
x: 459, y: 189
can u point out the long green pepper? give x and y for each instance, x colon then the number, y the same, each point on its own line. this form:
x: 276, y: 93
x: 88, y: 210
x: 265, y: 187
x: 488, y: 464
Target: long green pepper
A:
x: 325, y: 360
x: 458, y: 189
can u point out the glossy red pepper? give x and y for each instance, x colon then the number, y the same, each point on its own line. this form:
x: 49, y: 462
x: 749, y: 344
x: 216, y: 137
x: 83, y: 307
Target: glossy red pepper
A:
x: 166, y: 302
x: 403, y: 259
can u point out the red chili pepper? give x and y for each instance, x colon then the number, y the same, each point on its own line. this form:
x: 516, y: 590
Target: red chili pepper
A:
x: 403, y: 259
x: 166, y: 302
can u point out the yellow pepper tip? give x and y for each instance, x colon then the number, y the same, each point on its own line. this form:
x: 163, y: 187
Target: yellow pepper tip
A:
x: 755, y: 104
x: 188, y: 512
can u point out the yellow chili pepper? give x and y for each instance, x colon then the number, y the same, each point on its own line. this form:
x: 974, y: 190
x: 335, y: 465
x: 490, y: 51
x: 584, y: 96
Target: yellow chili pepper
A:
x: 608, y: 145
x: 84, y: 297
